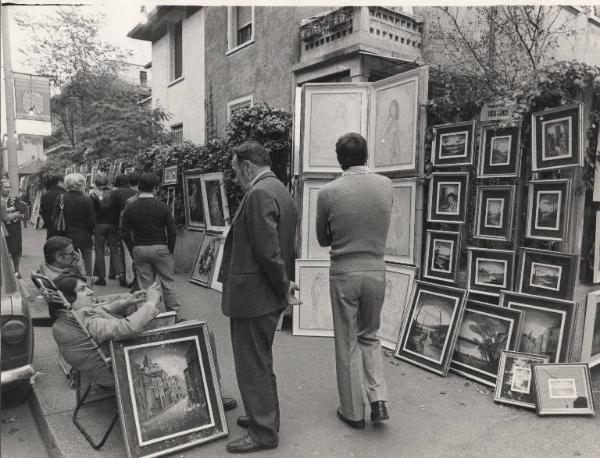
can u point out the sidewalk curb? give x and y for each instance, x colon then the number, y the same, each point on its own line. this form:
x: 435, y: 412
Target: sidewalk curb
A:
x: 43, y: 427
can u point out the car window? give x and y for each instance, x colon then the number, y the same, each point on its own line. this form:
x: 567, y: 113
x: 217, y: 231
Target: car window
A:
x: 8, y: 283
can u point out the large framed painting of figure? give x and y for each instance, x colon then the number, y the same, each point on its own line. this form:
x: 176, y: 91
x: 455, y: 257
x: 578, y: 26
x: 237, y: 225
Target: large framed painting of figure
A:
x: 490, y: 271
x: 395, y: 121
x: 431, y: 326
x: 563, y: 389
x: 399, y: 285
x: 590, y: 347
x: 313, y: 317
x: 193, y: 202
x: 514, y: 383
x: 400, y: 244
x: 548, y: 209
x: 494, y: 213
x: 500, y: 151
x: 310, y: 248
x: 486, y: 330
x: 167, y: 389
x: 547, y: 273
x: 215, y: 204
x: 547, y: 324
x: 442, y: 250
x: 330, y: 111
x: 204, y: 266
x: 453, y: 144
x: 447, y: 197
x: 557, y: 138
x: 169, y: 175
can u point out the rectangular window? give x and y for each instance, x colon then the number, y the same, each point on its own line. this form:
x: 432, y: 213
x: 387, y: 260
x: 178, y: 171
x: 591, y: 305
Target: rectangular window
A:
x: 237, y: 104
x: 240, y: 26
x: 177, y: 51
x: 177, y: 133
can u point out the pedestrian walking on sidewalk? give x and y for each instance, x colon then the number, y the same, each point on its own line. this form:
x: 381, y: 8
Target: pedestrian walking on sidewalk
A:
x: 353, y: 217
x: 257, y: 267
x: 54, y: 188
x: 13, y: 208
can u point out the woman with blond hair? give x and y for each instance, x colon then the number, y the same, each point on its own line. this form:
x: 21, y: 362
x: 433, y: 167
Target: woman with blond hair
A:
x: 79, y: 217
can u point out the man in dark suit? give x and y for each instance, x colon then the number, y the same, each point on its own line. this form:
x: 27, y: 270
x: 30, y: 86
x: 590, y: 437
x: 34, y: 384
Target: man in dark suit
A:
x: 257, y: 267
x: 54, y: 189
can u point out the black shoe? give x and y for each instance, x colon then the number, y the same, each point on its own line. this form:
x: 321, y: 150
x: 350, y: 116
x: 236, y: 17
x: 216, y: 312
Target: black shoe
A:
x: 247, y: 445
x: 100, y: 282
x: 356, y: 424
x: 379, y: 411
x: 111, y: 277
x: 229, y: 403
x: 122, y: 281
x: 243, y: 421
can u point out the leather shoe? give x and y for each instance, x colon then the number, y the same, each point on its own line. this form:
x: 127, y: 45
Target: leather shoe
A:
x: 247, y: 445
x: 243, y: 421
x: 100, y: 282
x: 228, y: 403
x: 379, y: 411
x: 356, y: 424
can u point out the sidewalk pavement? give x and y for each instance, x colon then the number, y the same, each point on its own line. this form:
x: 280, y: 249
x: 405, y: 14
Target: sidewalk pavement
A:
x: 430, y: 415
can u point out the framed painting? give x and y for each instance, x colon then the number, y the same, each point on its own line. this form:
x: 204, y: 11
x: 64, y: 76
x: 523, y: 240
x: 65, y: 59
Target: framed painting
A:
x: 494, y: 212
x: 431, y: 326
x: 514, y: 383
x: 486, y: 330
x: 596, y: 273
x: 453, y: 144
x: 447, y: 197
x: 129, y: 170
x: 193, y: 200
x: 490, y: 271
x: 330, y: 111
x: 442, y: 250
x: 118, y: 167
x: 546, y: 326
x: 557, y: 138
x: 313, y: 317
x: 500, y: 151
x: 590, y: 347
x: 399, y: 285
x: 548, y: 209
x: 563, y: 389
x: 204, y: 266
x: 547, y: 273
x: 310, y: 248
x: 171, y: 200
x: 395, y: 121
x: 167, y: 389
x: 216, y: 281
x: 216, y: 208
x: 169, y: 175
x: 400, y: 244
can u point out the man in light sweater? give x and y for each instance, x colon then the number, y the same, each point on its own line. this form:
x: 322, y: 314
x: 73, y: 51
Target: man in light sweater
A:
x: 353, y: 217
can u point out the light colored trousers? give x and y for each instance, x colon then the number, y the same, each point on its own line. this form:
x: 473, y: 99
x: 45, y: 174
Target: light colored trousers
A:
x: 156, y: 262
x: 356, y: 301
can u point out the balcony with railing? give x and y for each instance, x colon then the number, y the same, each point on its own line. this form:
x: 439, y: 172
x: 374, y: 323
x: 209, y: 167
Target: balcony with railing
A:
x: 384, y: 31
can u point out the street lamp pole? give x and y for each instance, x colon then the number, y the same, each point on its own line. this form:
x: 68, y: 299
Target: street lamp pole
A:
x: 9, y: 94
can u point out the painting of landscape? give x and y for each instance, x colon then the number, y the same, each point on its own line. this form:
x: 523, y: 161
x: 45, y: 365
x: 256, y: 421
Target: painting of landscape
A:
x: 453, y: 144
x: 545, y: 276
x: 494, y: 209
x: 490, y: 272
x: 500, y: 150
x: 441, y: 261
x: 548, y: 210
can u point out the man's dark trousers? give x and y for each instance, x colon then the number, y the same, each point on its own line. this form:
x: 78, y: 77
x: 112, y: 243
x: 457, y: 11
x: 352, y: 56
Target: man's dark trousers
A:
x: 252, y: 342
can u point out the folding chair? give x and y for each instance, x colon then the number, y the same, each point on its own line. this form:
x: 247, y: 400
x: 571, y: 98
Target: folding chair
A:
x: 52, y: 295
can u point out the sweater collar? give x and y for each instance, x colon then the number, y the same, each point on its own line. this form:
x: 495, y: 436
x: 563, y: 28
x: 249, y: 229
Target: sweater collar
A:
x: 356, y: 170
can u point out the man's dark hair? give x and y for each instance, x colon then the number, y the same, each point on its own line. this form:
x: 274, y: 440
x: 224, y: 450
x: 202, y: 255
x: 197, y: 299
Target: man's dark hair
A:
x: 121, y: 180
x: 351, y: 150
x: 54, y: 246
x: 134, y: 178
x: 252, y: 151
x: 53, y: 181
x: 148, y: 181
x: 67, y: 284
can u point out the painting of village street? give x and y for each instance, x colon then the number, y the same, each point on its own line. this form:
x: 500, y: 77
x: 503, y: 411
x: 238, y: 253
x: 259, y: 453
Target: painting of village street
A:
x: 168, y: 388
x: 541, y: 333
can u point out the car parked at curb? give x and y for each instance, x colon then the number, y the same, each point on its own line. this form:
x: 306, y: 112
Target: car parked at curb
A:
x: 16, y: 332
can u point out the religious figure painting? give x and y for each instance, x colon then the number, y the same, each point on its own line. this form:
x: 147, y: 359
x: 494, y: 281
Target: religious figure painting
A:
x: 215, y: 204
x: 204, y: 266
x: 401, y: 235
x: 313, y: 317
x: 193, y: 200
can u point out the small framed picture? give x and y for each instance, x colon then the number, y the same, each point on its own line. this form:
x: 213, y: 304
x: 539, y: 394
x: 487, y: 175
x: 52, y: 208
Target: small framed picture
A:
x: 563, y: 389
x: 557, y: 138
x: 167, y: 389
x: 442, y: 250
x: 447, y: 197
x: 490, y: 271
x: 486, y: 330
x: 431, y: 327
x: 548, y: 209
x: 216, y: 207
x: 169, y: 175
x: 515, y: 378
x: 547, y: 324
x: 193, y: 200
x: 590, y: 347
x: 547, y: 273
x: 500, y: 151
x: 453, y: 144
x: 204, y: 266
x: 313, y: 317
x: 494, y: 214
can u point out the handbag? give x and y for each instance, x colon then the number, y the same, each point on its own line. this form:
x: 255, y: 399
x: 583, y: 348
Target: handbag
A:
x: 59, y: 222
